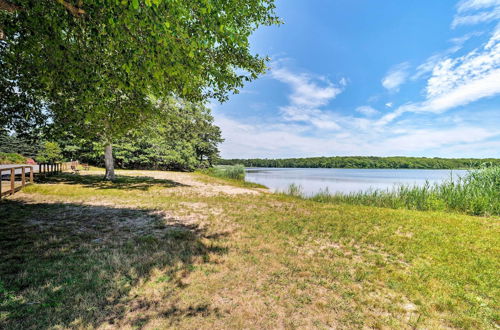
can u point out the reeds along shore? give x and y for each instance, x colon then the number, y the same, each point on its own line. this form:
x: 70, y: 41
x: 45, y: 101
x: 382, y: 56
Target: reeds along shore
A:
x: 235, y: 172
x: 477, y: 193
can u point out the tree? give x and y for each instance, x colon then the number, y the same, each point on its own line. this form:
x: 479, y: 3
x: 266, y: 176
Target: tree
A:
x: 181, y: 136
x: 94, y: 64
x: 50, y: 153
x: 17, y: 144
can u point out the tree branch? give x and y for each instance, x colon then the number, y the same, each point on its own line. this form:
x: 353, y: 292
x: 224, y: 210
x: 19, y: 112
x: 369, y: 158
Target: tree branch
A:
x: 11, y: 8
x: 7, y: 6
x: 74, y: 10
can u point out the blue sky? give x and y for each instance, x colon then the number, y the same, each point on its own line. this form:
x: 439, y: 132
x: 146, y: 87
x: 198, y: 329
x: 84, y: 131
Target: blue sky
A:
x: 365, y: 77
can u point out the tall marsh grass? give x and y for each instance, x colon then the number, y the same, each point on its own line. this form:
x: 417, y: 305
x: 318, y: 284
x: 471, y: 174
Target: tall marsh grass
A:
x: 476, y: 193
x: 235, y: 172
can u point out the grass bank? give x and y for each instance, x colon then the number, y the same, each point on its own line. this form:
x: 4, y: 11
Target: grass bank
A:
x: 161, y: 250
x: 234, y: 174
x: 477, y: 193
x: 11, y: 158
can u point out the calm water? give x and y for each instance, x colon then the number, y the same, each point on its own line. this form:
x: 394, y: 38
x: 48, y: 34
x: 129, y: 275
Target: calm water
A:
x: 312, y: 180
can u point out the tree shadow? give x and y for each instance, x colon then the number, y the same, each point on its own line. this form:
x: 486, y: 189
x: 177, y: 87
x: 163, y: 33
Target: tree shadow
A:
x: 121, y: 182
x: 71, y: 265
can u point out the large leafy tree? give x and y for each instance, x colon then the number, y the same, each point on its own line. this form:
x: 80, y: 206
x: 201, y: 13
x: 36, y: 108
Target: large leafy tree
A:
x: 181, y: 135
x: 93, y: 65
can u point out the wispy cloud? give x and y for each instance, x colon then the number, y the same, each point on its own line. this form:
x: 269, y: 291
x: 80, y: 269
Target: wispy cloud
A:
x: 467, y: 5
x: 308, y: 94
x: 367, y: 110
x: 459, y: 81
x: 431, y: 62
x: 396, y: 76
x: 470, y: 12
x: 285, y: 140
x: 305, y: 125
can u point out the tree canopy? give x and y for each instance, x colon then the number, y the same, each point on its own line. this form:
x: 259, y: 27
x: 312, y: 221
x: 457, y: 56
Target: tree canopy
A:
x: 94, y: 65
x: 181, y: 137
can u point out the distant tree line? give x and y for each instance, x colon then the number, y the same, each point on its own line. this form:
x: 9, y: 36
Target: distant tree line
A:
x: 365, y: 162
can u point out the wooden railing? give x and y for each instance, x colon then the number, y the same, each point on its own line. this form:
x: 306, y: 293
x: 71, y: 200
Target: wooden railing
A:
x: 44, y: 169
x: 12, y: 177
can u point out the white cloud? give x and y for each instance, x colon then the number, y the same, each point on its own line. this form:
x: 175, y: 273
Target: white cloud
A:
x: 466, y: 5
x: 425, y: 139
x: 459, y: 81
x: 460, y: 41
x: 287, y: 140
x: 308, y: 95
x: 305, y: 91
x: 481, y: 17
x: 429, y: 64
x: 367, y: 110
x: 396, y: 76
x: 389, y: 104
x: 472, y: 12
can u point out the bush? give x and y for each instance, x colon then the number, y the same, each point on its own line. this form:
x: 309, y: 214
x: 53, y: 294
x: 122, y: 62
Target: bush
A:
x: 11, y: 158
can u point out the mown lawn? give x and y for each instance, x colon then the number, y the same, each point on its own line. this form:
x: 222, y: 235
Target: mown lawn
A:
x: 150, y: 253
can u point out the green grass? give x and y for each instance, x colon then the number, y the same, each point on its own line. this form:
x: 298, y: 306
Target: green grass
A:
x: 11, y: 158
x: 234, y: 172
x: 145, y: 252
x: 477, y: 193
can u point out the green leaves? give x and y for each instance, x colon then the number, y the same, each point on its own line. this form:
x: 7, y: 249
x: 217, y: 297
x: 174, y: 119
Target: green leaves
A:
x: 95, y: 74
x: 181, y: 136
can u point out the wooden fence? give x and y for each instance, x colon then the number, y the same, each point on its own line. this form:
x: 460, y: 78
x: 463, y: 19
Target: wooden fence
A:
x: 12, y: 178
x: 27, y: 172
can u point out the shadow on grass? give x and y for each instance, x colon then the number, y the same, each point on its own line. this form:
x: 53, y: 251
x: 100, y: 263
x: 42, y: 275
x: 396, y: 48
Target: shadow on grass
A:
x: 70, y: 265
x: 121, y: 182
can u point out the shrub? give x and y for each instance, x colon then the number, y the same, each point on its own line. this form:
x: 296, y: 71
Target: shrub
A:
x: 11, y: 158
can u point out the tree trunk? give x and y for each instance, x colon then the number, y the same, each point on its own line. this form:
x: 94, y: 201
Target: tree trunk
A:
x: 109, y: 163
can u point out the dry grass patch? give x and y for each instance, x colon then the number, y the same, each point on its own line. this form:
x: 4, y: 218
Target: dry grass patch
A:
x: 150, y: 251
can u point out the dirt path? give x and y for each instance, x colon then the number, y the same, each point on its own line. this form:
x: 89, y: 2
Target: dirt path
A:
x: 188, y: 182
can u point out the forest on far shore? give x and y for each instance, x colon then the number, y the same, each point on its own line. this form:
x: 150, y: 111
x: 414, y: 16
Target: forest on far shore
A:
x: 366, y: 162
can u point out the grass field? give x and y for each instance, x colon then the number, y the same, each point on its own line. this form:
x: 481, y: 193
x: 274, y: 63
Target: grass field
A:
x: 177, y: 250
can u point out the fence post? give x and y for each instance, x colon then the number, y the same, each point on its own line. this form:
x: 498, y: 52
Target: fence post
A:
x: 12, y: 180
x: 0, y: 183
x: 31, y: 174
x: 23, y: 176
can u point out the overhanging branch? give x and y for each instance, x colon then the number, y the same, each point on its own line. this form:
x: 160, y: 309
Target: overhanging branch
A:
x: 74, y: 10
x: 11, y: 8
x: 7, y: 6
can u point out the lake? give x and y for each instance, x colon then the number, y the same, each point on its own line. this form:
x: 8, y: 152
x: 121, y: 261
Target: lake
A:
x: 313, y: 180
